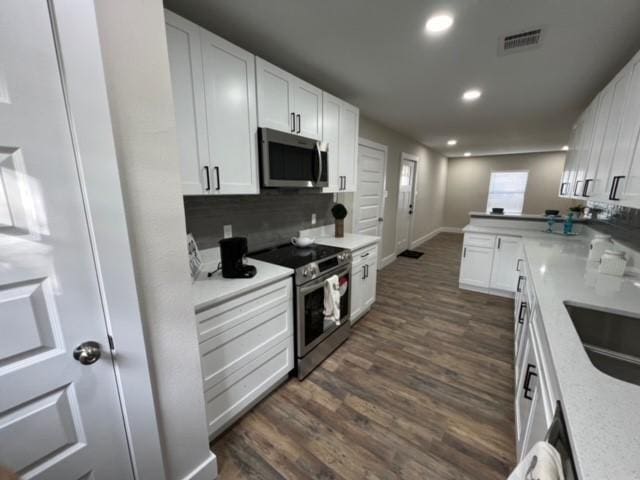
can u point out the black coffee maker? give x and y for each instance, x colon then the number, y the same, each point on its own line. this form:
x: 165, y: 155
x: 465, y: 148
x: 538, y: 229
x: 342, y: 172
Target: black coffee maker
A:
x: 232, y: 253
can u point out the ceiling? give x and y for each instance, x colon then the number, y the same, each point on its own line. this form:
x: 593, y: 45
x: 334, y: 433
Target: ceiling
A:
x: 376, y: 55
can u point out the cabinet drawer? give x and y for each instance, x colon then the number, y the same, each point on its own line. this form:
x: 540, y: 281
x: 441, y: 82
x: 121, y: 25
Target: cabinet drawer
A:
x: 230, y: 397
x: 479, y: 240
x: 363, y: 255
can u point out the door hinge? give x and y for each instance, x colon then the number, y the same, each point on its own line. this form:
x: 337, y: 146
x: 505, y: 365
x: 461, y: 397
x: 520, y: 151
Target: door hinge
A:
x: 111, y: 344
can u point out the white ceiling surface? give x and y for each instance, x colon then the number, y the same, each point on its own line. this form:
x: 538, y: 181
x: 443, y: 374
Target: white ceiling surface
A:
x: 375, y: 54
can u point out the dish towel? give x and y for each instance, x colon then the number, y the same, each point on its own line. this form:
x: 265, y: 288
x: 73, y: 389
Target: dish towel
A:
x: 542, y: 462
x: 332, y: 299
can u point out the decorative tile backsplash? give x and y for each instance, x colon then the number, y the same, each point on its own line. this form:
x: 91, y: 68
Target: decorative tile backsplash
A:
x: 268, y: 219
x: 622, y: 223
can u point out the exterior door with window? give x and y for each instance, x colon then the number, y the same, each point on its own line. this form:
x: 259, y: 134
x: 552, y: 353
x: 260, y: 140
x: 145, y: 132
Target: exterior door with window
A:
x: 405, y: 204
x: 506, y: 191
x: 60, y: 417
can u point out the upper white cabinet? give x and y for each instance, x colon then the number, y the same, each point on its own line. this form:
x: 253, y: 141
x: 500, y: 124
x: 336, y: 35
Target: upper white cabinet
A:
x: 215, y: 102
x: 340, y: 123
x: 287, y: 103
x: 185, y: 63
x: 603, y: 162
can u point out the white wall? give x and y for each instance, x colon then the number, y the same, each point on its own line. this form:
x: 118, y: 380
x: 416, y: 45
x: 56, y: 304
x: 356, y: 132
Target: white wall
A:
x: 133, y: 43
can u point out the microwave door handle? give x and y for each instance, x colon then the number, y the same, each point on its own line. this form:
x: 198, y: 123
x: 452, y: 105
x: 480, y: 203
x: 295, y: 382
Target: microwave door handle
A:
x: 319, y: 162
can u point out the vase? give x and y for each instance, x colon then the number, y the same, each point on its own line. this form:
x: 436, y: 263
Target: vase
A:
x: 339, y: 227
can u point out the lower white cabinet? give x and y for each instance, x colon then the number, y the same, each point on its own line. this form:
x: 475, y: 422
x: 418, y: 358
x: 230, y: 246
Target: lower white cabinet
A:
x: 364, y: 274
x: 503, y: 271
x: 475, y: 268
x: 246, y: 348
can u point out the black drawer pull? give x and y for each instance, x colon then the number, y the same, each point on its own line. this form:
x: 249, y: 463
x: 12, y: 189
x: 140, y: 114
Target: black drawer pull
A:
x: 527, y: 380
x: 521, y: 312
x: 519, y: 287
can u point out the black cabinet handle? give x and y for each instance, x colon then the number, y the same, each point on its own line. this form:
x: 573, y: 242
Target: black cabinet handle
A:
x: 217, y: 170
x: 575, y: 189
x: 614, y: 188
x: 364, y: 272
x: 587, y: 182
x: 206, y: 170
x: 464, y: 252
x: 293, y: 122
x: 518, y: 265
x: 299, y: 123
x: 523, y: 309
x: 499, y: 242
x: 519, y: 286
x: 563, y: 186
x: 527, y: 380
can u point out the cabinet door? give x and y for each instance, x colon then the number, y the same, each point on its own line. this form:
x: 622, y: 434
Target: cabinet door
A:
x: 475, y: 268
x: 331, y: 138
x: 571, y: 161
x: 307, y: 105
x: 503, y: 273
x: 602, y: 183
x: 349, y: 127
x: 275, y: 97
x: 527, y: 387
x: 358, y: 292
x: 585, y: 168
x: 371, y: 275
x: 229, y: 84
x: 185, y: 63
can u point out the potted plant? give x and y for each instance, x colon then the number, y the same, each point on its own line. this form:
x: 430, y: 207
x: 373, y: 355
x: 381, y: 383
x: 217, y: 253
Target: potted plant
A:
x: 577, y: 209
x: 339, y: 213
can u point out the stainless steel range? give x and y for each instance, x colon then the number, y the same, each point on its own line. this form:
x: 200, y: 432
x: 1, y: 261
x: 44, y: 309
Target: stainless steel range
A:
x: 316, y: 336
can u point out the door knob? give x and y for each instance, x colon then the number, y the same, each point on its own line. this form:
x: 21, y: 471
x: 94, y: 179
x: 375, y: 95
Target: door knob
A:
x: 87, y: 353
x: 380, y: 219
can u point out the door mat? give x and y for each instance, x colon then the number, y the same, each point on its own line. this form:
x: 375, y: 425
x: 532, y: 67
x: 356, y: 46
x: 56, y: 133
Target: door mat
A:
x: 411, y: 254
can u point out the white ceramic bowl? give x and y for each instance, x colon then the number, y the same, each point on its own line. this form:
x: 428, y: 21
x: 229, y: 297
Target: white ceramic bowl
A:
x: 302, y: 242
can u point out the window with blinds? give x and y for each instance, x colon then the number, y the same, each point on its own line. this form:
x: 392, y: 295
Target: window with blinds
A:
x: 506, y: 190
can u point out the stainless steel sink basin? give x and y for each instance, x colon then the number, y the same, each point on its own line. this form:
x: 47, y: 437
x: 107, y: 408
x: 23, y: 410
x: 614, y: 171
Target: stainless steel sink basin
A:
x: 611, y: 340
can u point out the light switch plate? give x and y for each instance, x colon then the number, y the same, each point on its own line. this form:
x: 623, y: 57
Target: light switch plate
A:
x: 313, y: 219
x: 228, y: 232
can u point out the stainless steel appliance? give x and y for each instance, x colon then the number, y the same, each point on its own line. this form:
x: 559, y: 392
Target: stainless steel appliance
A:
x: 315, y: 336
x: 558, y: 437
x: 289, y: 160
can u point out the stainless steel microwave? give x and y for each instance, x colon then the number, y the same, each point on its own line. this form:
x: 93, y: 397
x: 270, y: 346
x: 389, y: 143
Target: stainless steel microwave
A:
x: 288, y: 160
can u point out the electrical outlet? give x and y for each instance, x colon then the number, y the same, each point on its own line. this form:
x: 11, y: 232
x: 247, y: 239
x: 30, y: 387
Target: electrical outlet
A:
x: 228, y: 231
x: 335, y: 197
x: 313, y: 219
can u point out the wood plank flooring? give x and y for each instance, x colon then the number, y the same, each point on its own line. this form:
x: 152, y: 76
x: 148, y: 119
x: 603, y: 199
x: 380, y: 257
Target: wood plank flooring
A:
x: 423, y: 389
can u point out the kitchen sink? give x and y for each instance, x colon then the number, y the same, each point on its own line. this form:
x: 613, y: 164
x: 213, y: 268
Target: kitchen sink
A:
x: 611, y: 340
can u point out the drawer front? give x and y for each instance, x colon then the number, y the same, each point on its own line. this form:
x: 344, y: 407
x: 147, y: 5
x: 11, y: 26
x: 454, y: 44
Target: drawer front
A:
x: 364, y: 255
x: 237, y: 311
x: 232, y: 348
x: 236, y: 392
x: 479, y: 240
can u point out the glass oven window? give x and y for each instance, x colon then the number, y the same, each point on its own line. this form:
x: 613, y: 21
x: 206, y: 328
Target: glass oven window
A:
x: 315, y: 324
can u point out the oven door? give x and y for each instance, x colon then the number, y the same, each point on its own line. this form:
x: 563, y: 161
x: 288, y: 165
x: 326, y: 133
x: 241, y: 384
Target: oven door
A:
x: 312, y: 327
x: 288, y: 160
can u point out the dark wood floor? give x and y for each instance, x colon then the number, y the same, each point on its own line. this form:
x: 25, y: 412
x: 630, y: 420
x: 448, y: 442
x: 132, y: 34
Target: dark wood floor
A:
x: 422, y: 389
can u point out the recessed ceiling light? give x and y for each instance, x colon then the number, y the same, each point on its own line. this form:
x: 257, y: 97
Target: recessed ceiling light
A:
x: 452, y: 142
x: 467, y: 154
x: 471, y: 95
x: 439, y: 23
x: 565, y: 148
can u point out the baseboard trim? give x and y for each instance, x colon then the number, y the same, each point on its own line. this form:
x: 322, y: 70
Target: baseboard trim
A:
x: 450, y: 230
x: 473, y: 288
x: 207, y: 470
x: 388, y: 260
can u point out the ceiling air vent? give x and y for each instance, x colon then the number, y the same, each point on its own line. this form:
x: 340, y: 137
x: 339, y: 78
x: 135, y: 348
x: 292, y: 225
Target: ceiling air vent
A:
x: 518, y: 42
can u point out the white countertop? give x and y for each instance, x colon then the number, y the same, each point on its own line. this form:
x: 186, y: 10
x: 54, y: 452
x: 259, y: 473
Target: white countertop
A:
x: 350, y: 241
x: 602, y: 413
x: 540, y: 217
x: 208, y: 291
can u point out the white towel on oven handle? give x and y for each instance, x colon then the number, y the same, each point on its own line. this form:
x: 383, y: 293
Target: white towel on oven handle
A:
x: 332, y: 299
x: 542, y: 462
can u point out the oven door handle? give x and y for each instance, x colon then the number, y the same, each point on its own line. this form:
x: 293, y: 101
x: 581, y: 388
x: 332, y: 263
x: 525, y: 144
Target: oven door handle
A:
x: 314, y: 284
x: 319, y: 162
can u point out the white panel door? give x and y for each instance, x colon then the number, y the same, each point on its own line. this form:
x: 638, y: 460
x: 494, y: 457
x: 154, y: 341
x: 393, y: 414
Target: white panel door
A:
x: 475, y: 268
x: 331, y: 138
x: 275, y: 97
x: 503, y: 274
x: 59, y: 418
x: 185, y: 62
x: 307, y: 105
x: 230, y: 95
x: 369, y: 202
x: 405, y: 205
x: 349, y: 129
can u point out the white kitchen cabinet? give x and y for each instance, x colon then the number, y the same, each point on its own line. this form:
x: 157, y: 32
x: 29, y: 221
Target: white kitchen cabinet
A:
x: 213, y: 84
x: 363, y: 281
x: 287, y: 103
x: 340, y: 125
x: 583, y: 154
x: 475, y: 268
x: 503, y: 272
x: 185, y: 63
x: 230, y: 96
x: 246, y: 348
x: 526, y: 389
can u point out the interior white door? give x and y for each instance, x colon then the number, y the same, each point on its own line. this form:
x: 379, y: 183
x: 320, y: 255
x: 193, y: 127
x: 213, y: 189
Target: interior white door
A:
x: 370, y: 193
x: 275, y: 97
x: 307, y: 105
x: 405, y: 205
x: 185, y: 62
x: 230, y: 95
x: 59, y: 418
